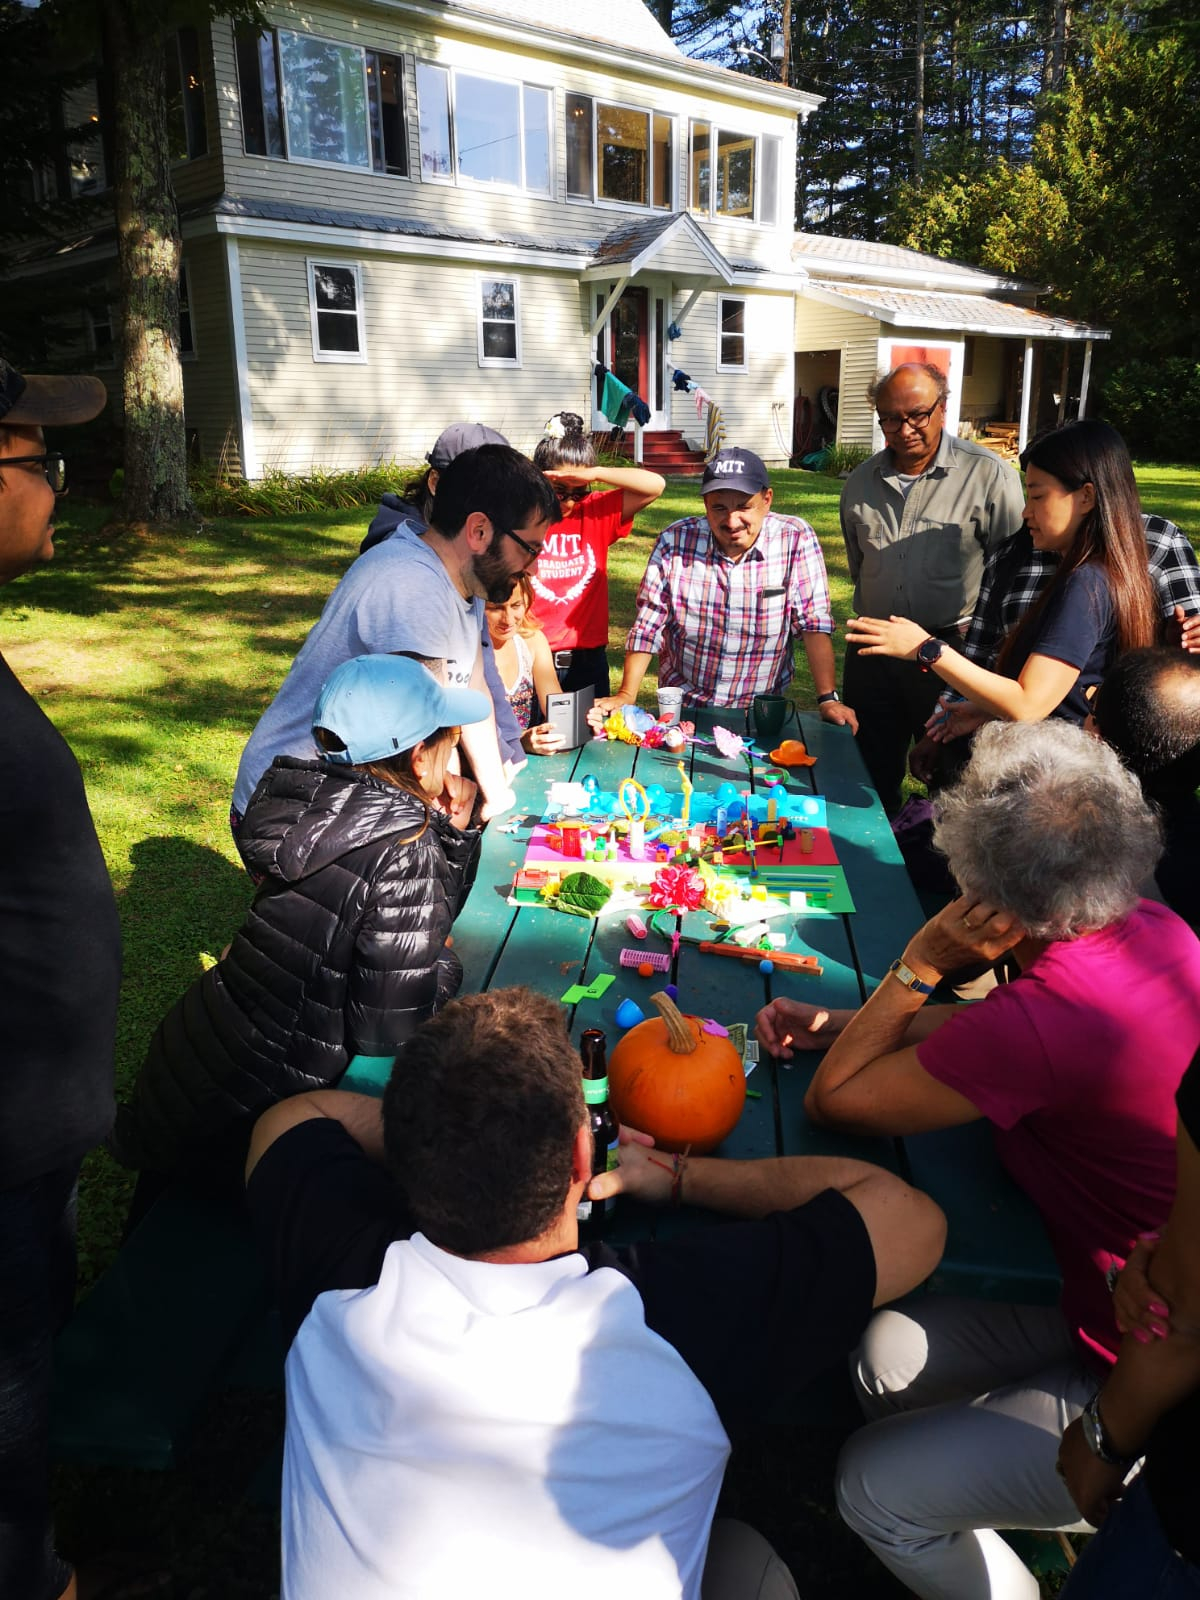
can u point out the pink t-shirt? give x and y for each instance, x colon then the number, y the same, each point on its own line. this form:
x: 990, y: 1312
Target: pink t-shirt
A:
x: 570, y: 579
x: 1077, y: 1063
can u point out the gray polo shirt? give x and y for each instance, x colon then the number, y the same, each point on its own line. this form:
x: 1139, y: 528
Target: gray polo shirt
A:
x: 920, y: 555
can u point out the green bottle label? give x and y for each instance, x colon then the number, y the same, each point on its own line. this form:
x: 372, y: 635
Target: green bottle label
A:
x: 595, y: 1091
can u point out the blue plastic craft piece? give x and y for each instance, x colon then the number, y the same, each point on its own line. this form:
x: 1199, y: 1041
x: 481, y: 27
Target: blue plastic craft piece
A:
x: 629, y: 1014
x: 591, y: 783
x: 766, y: 968
x: 672, y: 991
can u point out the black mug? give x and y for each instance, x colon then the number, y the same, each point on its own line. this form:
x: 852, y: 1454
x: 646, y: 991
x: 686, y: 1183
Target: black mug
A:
x: 768, y: 714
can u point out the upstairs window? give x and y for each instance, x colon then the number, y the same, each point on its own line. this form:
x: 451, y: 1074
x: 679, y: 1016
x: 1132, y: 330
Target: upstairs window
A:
x: 187, y: 127
x: 86, y: 168
x: 618, y: 153
x: 311, y: 99
x: 733, y: 174
x: 483, y: 130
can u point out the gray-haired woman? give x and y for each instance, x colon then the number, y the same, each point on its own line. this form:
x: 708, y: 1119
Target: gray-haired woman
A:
x: 1075, y: 1064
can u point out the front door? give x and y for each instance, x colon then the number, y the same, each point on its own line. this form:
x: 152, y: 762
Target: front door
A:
x: 632, y: 346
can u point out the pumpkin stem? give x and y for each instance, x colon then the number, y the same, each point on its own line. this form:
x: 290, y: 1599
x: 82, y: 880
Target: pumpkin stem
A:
x: 679, y: 1035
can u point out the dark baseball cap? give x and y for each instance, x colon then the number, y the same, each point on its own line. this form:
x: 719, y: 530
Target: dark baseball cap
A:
x: 460, y: 436
x: 35, y: 400
x: 735, y: 469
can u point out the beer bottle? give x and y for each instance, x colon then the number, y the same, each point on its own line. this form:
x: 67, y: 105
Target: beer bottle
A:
x: 593, y: 1050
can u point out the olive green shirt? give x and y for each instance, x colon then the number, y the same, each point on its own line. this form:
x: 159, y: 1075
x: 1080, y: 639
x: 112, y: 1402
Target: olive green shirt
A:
x: 921, y: 555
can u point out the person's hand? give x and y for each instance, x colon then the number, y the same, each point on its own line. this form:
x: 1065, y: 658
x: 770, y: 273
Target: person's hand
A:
x: 785, y: 1026
x: 542, y: 740
x: 960, y: 720
x: 1184, y: 631
x: 571, y: 478
x: 964, y: 932
x: 605, y: 706
x: 1137, y: 1306
x: 841, y: 715
x: 897, y: 637
x: 635, y: 1173
x: 457, y: 799
x: 496, y: 805
x: 1094, y: 1486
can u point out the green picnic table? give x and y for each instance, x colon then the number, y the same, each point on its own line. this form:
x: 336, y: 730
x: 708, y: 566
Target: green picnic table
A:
x: 182, y: 1309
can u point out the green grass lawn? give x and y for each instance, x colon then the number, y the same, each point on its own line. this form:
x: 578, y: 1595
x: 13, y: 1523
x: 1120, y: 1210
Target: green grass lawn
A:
x: 154, y: 656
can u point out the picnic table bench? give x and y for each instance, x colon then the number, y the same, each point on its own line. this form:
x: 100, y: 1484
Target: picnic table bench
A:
x: 182, y: 1309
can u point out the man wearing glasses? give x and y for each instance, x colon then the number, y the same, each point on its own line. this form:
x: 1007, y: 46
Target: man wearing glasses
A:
x: 422, y: 593
x: 60, y: 953
x: 919, y: 519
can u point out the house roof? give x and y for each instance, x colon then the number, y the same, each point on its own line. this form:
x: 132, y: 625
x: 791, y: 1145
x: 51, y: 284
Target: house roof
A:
x: 947, y: 312
x: 830, y: 257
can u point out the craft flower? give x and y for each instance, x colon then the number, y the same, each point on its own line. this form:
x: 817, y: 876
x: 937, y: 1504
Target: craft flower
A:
x: 730, y: 746
x: 676, y: 888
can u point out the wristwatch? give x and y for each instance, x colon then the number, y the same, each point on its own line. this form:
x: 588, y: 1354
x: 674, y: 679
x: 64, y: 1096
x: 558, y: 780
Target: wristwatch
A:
x: 929, y: 653
x: 826, y: 699
x: 1096, y: 1438
x: 909, y: 978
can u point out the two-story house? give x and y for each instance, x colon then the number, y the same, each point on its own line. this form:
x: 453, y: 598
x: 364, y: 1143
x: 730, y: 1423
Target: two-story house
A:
x: 397, y: 213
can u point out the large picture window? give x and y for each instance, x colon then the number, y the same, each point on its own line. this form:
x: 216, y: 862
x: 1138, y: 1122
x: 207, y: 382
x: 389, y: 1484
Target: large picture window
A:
x: 311, y: 99
x: 335, y: 303
x: 187, y: 128
x: 499, y: 323
x: 619, y: 153
x: 485, y: 130
x: 732, y: 174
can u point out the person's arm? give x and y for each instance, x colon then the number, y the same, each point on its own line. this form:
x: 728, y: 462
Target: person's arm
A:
x: 542, y: 740
x: 906, y: 1228
x: 639, y: 488
x: 642, y: 640
x: 632, y: 673
x: 871, y: 1080
x: 1042, y: 686
x: 853, y: 552
x: 482, y: 749
x: 360, y: 1114
x: 785, y: 1026
x: 1151, y: 1376
x: 818, y: 648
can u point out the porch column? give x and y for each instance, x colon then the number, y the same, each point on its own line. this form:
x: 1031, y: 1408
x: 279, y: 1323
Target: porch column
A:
x: 1026, y: 393
x: 1087, y: 373
x: 1064, y: 379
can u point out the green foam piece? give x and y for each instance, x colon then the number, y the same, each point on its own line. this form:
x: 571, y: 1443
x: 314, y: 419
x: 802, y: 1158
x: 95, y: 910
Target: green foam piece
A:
x: 596, y: 990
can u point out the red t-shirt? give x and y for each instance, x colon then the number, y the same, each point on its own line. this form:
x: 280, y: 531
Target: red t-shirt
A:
x: 570, y: 579
x: 1076, y: 1064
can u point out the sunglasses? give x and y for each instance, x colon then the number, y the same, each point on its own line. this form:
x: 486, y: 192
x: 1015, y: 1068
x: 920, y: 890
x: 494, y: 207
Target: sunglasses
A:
x: 51, y: 463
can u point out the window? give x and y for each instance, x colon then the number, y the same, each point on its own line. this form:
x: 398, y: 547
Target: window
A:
x: 187, y: 343
x: 85, y: 156
x: 311, y: 99
x: 726, y: 179
x: 483, y: 130
x: 335, y: 298
x: 619, y: 153
x: 101, y: 338
x: 187, y: 129
x: 499, y: 323
x: 731, y: 334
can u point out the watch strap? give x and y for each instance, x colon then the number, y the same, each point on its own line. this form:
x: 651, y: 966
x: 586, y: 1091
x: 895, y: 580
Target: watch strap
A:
x: 909, y: 978
x: 828, y: 698
x: 1097, y: 1440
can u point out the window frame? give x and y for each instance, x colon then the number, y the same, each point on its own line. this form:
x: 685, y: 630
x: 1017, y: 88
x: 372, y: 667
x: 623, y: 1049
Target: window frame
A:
x: 456, y: 179
x: 185, y: 302
x: 722, y: 335
x: 757, y: 140
x: 671, y: 118
x: 104, y: 314
x: 509, y: 363
x: 315, y: 161
x: 352, y: 358
x: 193, y: 103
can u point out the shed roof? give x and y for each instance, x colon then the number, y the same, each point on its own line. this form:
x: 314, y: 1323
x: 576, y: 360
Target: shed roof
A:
x: 947, y: 312
x: 829, y: 256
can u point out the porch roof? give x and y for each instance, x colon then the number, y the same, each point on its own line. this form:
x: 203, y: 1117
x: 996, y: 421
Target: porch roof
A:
x: 948, y: 313
x: 633, y: 247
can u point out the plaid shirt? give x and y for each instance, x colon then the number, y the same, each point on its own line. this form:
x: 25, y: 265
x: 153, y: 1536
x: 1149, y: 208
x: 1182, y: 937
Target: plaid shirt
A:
x: 723, y: 629
x: 1016, y: 574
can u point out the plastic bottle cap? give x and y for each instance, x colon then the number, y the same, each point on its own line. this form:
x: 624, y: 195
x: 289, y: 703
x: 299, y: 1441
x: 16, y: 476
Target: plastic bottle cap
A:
x: 766, y: 968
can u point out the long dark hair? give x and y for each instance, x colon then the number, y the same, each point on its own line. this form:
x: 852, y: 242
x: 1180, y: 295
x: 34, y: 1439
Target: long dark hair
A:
x: 1111, y: 534
x: 572, y: 449
x: 396, y: 771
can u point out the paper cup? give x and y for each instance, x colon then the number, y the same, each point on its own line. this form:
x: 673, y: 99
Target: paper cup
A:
x: 670, y: 704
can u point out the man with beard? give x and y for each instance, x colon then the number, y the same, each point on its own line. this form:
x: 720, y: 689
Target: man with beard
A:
x: 421, y: 594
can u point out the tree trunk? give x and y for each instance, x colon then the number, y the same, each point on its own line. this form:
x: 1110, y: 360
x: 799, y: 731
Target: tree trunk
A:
x: 918, y: 136
x: 148, y: 252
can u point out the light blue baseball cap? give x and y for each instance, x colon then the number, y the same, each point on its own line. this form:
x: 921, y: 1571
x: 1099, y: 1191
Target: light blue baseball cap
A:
x: 379, y: 706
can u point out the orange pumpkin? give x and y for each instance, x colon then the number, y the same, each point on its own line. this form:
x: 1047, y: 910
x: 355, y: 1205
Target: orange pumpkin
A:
x: 672, y: 1080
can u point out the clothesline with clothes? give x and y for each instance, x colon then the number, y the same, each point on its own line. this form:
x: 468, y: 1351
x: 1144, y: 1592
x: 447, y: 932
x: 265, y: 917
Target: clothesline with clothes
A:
x: 618, y: 402
x: 714, y: 431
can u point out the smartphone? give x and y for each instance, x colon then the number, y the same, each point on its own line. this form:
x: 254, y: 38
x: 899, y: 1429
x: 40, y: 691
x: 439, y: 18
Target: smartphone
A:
x: 567, y: 714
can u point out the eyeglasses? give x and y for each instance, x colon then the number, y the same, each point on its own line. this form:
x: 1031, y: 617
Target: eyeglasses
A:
x: 54, y: 466
x: 533, y: 551
x: 893, y: 421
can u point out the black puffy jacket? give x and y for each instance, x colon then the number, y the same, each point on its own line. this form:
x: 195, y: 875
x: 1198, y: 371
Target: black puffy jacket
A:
x: 342, y: 953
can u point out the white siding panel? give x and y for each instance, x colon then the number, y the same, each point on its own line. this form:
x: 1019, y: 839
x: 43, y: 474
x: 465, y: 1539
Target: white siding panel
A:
x: 422, y: 371
x: 209, y: 381
x: 860, y: 364
x: 756, y: 404
x: 550, y: 218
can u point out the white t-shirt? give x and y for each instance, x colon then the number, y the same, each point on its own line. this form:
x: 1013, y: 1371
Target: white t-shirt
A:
x: 459, y: 1429
x: 398, y: 596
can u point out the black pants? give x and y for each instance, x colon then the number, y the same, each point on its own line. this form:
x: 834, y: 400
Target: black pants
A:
x: 893, y: 700
x: 37, y: 1287
x: 579, y: 669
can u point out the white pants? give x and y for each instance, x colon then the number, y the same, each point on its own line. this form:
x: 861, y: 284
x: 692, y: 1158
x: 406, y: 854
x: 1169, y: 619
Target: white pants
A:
x: 973, y: 1397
